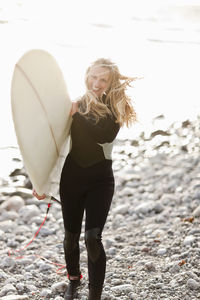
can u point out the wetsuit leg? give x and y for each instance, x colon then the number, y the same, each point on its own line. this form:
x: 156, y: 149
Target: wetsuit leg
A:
x: 97, y: 204
x: 72, y: 200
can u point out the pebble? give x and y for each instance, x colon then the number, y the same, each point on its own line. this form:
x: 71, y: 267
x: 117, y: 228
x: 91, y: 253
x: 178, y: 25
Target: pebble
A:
x: 29, y: 211
x: 150, y: 266
x: 126, y: 288
x: 8, y: 288
x: 151, y: 237
x: 13, y: 203
x: 16, y: 297
x: 189, y: 240
x: 196, y: 212
x: 193, y: 284
x: 162, y: 251
x: 144, y: 207
x: 59, y: 286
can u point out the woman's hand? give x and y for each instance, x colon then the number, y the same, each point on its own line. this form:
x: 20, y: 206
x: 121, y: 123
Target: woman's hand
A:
x: 74, y: 108
x: 38, y: 196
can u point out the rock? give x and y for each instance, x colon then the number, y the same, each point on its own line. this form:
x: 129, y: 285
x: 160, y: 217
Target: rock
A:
x: 196, y: 212
x: 193, y: 284
x: 7, y: 226
x: 3, y: 275
x: 16, y: 297
x: 46, y: 231
x: 20, y: 286
x: 112, y: 251
x: 13, y: 203
x: 196, y: 195
x: 189, y: 240
x: 28, y: 212
x: 175, y: 269
x: 46, y: 293
x: 158, y: 208
x: 43, y: 267
x: 31, y: 287
x: 8, y: 288
x: 125, y: 288
x: 109, y: 243
x: 159, y: 132
x: 59, y: 287
x: 145, y: 207
x: 9, y: 215
x: 150, y: 266
x: 162, y: 251
x: 121, y: 209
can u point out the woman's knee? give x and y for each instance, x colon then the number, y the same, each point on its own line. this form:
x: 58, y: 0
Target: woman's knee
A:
x: 93, y: 243
x: 71, y: 241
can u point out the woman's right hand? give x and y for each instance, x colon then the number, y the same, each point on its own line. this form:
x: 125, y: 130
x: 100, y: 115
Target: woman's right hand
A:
x: 74, y: 108
x: 38, y: 196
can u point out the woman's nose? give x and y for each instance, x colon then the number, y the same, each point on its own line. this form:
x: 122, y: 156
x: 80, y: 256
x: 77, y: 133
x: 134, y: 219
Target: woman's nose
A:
x: 96, y: 83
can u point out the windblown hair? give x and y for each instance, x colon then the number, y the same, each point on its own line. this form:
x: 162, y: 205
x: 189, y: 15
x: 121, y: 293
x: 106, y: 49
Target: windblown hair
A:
x: 116, y: 101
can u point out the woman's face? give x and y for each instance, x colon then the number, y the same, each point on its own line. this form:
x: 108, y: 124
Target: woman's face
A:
x: 98, y: 80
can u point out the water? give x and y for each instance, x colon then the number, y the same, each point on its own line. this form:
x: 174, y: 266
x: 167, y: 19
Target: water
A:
x: 156, y: 40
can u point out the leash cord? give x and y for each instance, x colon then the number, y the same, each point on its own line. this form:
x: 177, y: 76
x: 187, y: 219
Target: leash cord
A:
x: 10, y: 253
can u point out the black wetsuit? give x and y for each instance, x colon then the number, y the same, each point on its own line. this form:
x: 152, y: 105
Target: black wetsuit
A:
x: 87, y: 184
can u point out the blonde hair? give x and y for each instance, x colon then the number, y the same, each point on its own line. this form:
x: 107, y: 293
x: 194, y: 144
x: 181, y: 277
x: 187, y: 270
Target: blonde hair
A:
x: 116, y: 101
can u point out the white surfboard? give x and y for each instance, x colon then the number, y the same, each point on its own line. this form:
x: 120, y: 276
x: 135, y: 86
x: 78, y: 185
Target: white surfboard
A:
x: 41, y: 114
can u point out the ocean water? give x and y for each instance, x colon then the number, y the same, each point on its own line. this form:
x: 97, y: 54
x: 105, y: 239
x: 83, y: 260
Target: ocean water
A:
x: 156, y: 40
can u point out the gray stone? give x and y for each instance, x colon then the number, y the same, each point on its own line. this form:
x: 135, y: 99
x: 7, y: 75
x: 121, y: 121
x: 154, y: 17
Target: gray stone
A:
x: 31, y: 287
x: 20, y: 286
x: 121, y: 209
x: 46, y: 231
x: 7, y: 226
x: 150, y: 266
x: 3, y: 275
x: 7, y: 289
x: 175, y: 269
x: 16, y: 297
x: 126, y: 288
x: 43, y: 267
x: 59, y: 287
x: 193, y: 284
x: 112, y: 251
x: 46, y: 293
x: 162, y: 251
x: 158, y: 208
x: 189, y: 240
x: 145, y: 207
x: 196, y: 195
x: 12, y: 203
x: 196, y: 212
x: 7, y: 262
x: 109, y: 243
x: 28, y: 212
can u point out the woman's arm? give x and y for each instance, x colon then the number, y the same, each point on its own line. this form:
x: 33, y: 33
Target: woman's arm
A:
x: 104, y: 131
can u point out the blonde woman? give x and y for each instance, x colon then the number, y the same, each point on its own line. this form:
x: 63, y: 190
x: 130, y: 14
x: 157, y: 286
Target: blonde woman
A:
x: 87, y: 182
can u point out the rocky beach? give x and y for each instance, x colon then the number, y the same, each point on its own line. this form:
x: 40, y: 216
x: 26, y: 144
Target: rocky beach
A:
x: 152, y: 235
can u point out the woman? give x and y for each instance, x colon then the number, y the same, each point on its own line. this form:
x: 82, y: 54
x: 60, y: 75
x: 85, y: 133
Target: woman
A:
x: 87, y: 182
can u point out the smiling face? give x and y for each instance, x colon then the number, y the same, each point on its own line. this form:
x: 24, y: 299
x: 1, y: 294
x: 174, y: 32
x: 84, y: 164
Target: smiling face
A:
x: 98, y: 80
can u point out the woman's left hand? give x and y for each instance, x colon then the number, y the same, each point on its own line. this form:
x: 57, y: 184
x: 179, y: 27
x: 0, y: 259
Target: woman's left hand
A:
x: 74, y: 108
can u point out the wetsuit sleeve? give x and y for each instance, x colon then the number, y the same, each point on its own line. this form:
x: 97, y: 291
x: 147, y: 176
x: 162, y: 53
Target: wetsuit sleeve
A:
x: 105, y: 131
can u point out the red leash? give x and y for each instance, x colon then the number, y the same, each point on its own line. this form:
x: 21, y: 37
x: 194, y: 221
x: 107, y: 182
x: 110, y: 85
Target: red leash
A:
x: 10, y: 253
